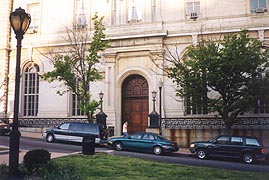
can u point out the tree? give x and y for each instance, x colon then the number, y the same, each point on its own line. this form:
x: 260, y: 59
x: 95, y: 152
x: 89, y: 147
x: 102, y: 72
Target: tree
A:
x: 220, y: 76
x: 77, y: 70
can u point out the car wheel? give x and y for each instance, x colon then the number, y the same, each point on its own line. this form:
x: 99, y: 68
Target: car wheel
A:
x: 118, y: 146
x: 248, y: 158
x: 201, y: 154
x: 50, y: 138
x: 157, y: 150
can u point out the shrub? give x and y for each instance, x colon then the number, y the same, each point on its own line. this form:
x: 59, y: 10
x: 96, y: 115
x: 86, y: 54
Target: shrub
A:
x: 3, y: 169
x: 52, y: 170
x: 33, y: 159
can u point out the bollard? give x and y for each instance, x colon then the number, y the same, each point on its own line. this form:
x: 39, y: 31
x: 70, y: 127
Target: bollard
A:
x: 88, y: 145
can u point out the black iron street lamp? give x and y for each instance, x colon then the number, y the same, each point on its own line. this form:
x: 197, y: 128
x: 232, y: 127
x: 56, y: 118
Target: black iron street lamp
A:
x: 101, y: 96
x: 154, y: 116
x: 160, y: 85
x: 20, y: 21
x: 101, y: 116
x: 154, y: 99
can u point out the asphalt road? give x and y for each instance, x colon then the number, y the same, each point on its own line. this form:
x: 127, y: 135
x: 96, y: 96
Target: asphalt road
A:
x: 176, y: 158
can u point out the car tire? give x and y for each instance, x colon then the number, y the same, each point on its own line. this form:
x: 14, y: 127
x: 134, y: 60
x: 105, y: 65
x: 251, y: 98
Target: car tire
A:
x: 50, y: 138
x: 248, y: 158
x: 201, y: 154
x: 157, y: 150
x: 118, y: 146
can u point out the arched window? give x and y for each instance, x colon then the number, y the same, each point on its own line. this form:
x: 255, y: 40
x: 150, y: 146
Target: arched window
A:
x: 30, y: 89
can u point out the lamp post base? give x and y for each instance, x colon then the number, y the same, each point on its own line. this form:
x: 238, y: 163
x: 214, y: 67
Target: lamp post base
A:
x: 14, y: 145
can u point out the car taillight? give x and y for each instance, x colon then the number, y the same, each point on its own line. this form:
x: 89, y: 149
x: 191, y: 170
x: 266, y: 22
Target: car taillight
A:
x: 263, y: 151
x: 99, y: 136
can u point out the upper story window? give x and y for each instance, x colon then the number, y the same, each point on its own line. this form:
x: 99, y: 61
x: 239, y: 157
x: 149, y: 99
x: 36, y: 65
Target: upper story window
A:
x: 193, y: 8
x: 153, y: 10
x: 133, y: 11
x: 258, y: 6
x: 135, y: 8
x: 80, y: 16
x: 30, y: 89
x: 34, y: 11
x: 116, y: 12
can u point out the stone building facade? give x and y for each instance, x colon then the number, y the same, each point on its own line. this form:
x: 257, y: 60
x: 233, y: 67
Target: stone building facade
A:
x: 139, y: 31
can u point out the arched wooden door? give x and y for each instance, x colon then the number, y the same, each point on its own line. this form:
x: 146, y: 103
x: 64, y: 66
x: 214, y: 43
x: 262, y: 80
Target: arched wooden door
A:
x: 135, y: 103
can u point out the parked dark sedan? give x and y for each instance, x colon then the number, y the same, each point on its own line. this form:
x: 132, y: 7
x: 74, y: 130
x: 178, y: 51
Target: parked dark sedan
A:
x: 143, y: 141
x: 4, y: 128
x: 242, y: 147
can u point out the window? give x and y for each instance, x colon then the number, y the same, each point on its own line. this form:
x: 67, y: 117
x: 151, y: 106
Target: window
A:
x: 136, y: 136
x: 252, y: 142
x: 258, y: 6
x: 153, y: 10
x: 31, y: 89
x: 115, y: 12
x: 65, y: 126
x: 148, y: 137
x: 76, y: 111
x: 223, y: 140
x: 76, y: 126
x: 89, y: 128
x: 135, y: 10
x: 193, y: 8
x: 34, y: 11
x: 80, y: 16
x: 236, y: 141
x: 192, y: 109
x: 262, y: 96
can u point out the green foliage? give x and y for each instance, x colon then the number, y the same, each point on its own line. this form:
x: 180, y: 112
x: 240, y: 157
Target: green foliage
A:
x: 33, y: 159
x: 220, y: 76
x: 3, y: 170
x: 60, y: 171
x: 78, y: 70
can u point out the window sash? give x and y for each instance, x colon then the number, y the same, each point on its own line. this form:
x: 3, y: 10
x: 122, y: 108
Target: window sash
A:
x: 254, y: 4
x: 34, y: 11
x: 31, y: 90
x: 76, y: 111
x: 135, y: 9
x: 192, y: 6
x: 80, y: 15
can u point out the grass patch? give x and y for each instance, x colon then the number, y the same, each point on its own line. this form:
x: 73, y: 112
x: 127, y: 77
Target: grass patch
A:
x: 104, y: 166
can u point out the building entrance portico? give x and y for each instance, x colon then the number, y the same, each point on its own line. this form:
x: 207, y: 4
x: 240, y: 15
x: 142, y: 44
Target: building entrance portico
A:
x: 135, y: 103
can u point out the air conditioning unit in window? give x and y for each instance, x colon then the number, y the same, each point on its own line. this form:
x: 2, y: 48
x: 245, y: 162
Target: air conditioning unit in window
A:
x: 194, y: 15
x: 260, y: 10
